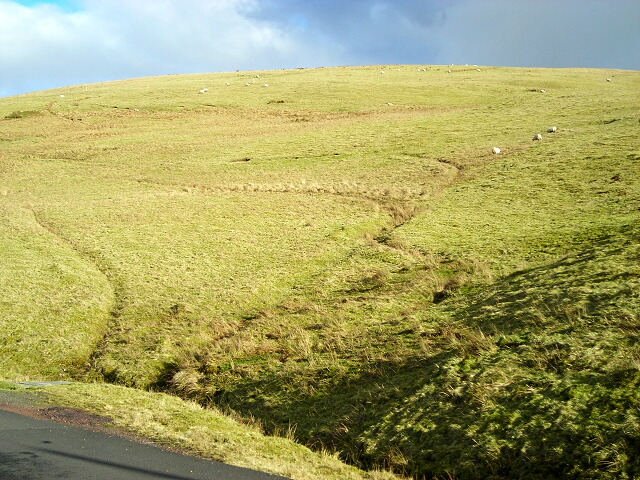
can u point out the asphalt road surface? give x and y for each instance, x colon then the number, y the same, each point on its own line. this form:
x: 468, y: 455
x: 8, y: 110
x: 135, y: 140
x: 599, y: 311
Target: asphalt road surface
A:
x: 32, y: 449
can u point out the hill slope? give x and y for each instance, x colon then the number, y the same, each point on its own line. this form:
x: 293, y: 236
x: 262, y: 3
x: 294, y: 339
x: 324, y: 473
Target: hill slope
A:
x: 340, y: 254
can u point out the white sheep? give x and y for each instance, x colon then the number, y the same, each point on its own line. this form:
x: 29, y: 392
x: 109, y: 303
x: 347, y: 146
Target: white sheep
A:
x: 552, y: 129
x: 496, y: 150
x: 537, y: 136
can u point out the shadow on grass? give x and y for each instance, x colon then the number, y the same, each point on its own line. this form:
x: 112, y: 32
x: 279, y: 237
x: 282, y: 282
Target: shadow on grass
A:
x: 590, y: 284
x: 446, y: 415
x: 549, y: 389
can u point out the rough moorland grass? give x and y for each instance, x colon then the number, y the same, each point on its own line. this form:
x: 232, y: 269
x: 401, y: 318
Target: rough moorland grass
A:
x: 55, y: 306
x: 341, y: 256
x: 215, y: 261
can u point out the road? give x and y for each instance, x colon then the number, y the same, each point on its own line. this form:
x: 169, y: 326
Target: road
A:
x: 33, y: 449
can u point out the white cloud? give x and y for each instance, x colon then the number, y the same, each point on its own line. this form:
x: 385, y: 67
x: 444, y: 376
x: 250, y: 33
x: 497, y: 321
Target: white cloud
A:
x: 45, y: 46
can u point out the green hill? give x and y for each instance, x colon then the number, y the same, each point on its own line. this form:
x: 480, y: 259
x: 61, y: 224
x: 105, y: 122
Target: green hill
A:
x: 338, y: 255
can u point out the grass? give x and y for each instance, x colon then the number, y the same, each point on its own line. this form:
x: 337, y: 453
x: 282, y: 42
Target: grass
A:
x: 340, y: 257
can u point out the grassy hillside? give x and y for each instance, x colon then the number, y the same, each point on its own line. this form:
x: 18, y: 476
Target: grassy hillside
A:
x: 339, y: 255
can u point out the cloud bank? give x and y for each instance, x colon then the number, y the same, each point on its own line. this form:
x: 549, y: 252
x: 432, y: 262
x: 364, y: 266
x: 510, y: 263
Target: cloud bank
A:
x: 45, y: 44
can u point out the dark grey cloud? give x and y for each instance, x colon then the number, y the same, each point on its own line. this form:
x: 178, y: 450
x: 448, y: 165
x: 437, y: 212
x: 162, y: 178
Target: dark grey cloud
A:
x: 544, y: 33
x: 362, y: 31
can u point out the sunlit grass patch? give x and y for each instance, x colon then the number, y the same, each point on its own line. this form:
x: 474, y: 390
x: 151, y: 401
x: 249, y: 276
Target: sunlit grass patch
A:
x: 178, y: 263
x: 55, y: 304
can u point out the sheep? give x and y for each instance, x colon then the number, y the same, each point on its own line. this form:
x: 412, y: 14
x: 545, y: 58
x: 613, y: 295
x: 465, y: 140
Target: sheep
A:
x: 537, y: 136
x: 266, y: 85
x: 552, y: 129
x: 608, y: 79
x: 204, y: 90
x: 543, y: 90
x: 228, y: 84
x: 248, y: 84
x: 496, y: 150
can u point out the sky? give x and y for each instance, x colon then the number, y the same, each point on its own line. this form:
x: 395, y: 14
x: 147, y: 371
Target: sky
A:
x: 54, y: 43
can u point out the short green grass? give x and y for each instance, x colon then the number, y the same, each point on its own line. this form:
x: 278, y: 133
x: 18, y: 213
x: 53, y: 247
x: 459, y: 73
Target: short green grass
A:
x: 340, y: 257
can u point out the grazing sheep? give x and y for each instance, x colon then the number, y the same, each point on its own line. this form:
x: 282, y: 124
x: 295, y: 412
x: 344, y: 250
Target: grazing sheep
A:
x: 608, y: 79
x: 552, y: 129
x: 204, y: 90
x: 228, y: 84
x: 537, y: 136
x: 496, y: 150
x: 248, y: 84
x: 266, y: 84
x: 543, y: 91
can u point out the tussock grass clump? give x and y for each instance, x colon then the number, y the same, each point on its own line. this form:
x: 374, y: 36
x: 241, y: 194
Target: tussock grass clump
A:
x: 23, y: 114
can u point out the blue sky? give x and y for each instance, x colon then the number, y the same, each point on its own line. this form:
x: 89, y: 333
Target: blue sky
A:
x: 68, y: 5
x: 47, y: 44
